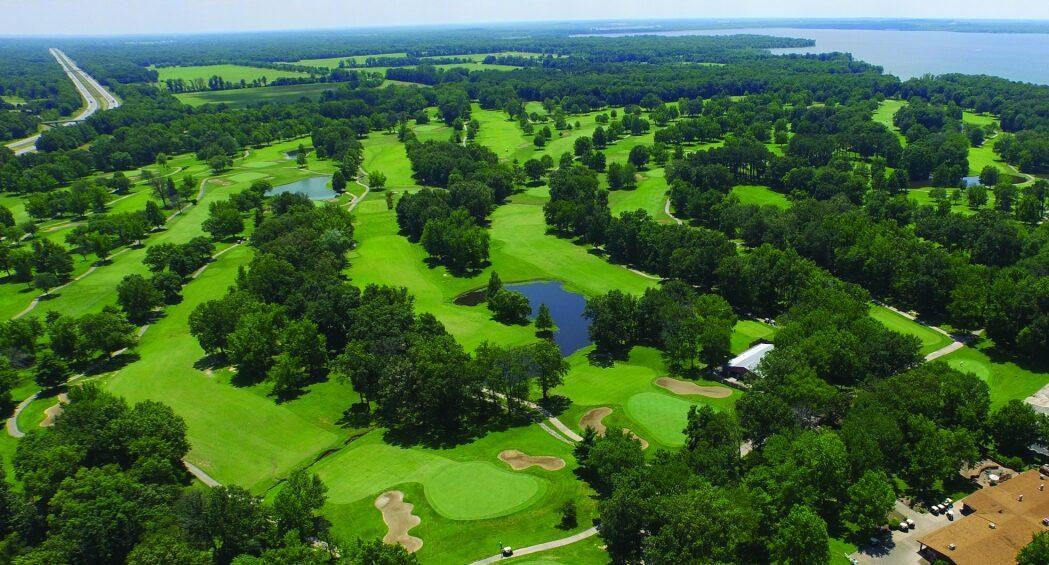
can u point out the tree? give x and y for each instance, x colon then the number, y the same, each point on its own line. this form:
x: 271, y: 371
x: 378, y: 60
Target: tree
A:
x: 253, y: 344
x: 544, y: 322
x: 456, y: 242
x: 45, y: 281
x: 638, y: 156
x: 989, y: 175
x: 509, y: 307
x: 1036, y: 552
x: 224, y: 220
x: 300, y: 157
x: 801, y: 538
x: 154, y: 215
x: 376, y: 180
x: 287, y: 375
x: 1015, y: 426
x: 375, y: 552
x: 296, y: 505
x: 977, y: 195
x: 612, y: 454
x: 138, y: 297
x: 870, y: 501
x: 534, y: 169
x: 613, y: 321
x: 338, y: 182
x: 229, y: 521
x: 495, y: 284
x: 548, y: 365
x: 569, y: 517
x: 106, y: 331
x: 51, y: 371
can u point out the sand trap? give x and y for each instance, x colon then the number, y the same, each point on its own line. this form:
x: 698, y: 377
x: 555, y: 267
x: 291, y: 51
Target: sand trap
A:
x: 519, y: 461
x: 399, y: 519
x: 593, y: 417
x: 686, y: 388
x: 53, y: 412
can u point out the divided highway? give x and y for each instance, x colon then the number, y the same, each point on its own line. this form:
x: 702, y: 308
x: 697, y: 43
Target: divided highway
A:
x: 95, y: 97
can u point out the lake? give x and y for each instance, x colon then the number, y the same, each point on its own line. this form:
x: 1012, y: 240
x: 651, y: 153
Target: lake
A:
x: 566, y: 308
x: 907, y: 54
x: 316, y: 188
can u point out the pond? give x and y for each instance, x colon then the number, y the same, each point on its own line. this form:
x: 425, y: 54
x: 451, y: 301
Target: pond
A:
x: 316, y: 188
x: 566, y: 308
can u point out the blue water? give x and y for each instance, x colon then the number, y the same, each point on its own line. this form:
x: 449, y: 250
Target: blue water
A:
x: 566, y: 308
x: 907, y: 54
x: 316, y: 188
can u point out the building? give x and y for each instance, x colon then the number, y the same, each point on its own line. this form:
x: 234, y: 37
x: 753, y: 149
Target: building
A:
x: 748, y: 361
x: 998, y: 521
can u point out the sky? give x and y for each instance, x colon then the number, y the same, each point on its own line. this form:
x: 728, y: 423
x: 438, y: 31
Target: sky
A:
x: 106, y: 17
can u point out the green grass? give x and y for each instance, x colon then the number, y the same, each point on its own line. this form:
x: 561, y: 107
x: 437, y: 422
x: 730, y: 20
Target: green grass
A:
x: 931, y: 340
x: 650, y: 196
x: 1007, y: 380
x: 333, y: 62
x: 247, y: 96
x: 883, y: 115
x: 12, y: 99
x: 840, y: 550
x: 663, y: 417
x: 585, y: 551
x: 746, y: 332
x: 761, y: 196
x: 231, y: 73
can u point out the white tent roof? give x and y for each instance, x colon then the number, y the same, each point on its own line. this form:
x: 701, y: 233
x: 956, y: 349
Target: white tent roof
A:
x: 750, y: 358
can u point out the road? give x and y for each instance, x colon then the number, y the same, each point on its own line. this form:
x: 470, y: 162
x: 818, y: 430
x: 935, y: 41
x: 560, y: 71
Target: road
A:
x: 95, y: 98
x: 540, y: 547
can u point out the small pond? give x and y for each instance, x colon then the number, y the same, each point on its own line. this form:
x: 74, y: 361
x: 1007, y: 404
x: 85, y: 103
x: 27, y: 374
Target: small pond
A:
x: 566, y: 308
x: 970, y: 181
x: 316, y: 188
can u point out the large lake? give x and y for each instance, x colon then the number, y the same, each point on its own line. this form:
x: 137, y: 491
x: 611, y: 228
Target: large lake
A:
x: 906, y: 54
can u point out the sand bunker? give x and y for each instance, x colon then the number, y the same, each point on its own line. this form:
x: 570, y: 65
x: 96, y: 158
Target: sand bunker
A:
x: 519, y: 461
x: 592, y: 419
x: 686, y: 388
x: 399, y: 519
x: 53, y: 412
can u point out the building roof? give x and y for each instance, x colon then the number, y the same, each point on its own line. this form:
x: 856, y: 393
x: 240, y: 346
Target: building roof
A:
x: 750, y: 358
x: 1000, y: 525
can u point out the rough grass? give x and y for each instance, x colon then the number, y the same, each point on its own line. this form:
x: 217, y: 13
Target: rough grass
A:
x: 247, y: 96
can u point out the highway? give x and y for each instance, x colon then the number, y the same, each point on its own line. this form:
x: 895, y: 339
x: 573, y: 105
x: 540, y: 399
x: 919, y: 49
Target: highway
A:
x: 95, y: 98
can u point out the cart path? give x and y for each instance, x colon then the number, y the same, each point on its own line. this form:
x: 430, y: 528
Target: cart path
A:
x: 553, y: 420
x: 666, y: 210
x: 541, y: 547
x: 945, y: 350
x: 200, y: 474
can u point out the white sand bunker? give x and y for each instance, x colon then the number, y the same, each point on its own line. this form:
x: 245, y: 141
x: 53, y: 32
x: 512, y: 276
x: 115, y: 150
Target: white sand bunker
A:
x: 399, y: 519
x: 593, y: 419
x: 53, y: 412
x: 519, y: 461
x: 686, y: 388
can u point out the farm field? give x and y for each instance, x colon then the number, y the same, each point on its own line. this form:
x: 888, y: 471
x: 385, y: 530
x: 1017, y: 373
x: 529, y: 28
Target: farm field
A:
x: 231, y: 73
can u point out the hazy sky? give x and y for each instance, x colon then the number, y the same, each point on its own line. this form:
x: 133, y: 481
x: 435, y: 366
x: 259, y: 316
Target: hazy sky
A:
x: 153, y: 16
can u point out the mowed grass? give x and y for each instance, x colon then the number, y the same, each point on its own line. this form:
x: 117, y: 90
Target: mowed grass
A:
x: 333, y: 62
x: 747, y: 332
x: 1007, y: 380
x: 230, y: 73
x: 650, y: 196
x: 760, y: 196
x: 468, y: 500
x: 883, y: 115
x: 627, y: 387
x: 931, y: 340
x: 247, y: 96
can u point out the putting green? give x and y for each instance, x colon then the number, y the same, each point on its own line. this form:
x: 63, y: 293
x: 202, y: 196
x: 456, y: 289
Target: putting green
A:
x: 247, y: 177
x: 973, y: 366
x: 663, y: 417
x: 478, y: 489
x: 472, y: 490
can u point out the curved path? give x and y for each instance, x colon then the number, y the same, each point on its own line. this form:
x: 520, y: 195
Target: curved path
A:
x: 540, y: 547
x: 666, y: 210
x: 567, y: 432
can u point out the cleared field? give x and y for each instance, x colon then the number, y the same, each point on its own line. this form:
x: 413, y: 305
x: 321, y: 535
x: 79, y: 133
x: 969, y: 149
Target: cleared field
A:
x: 883, y: 115
x: 761, y: 196
x: 333, y: 62
x: 247, y: 96
x: 931, y: 340
x: 650, y: 196
x: 231, y: 73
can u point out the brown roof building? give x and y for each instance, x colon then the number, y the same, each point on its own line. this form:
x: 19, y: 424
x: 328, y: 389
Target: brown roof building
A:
x: 999, y: 521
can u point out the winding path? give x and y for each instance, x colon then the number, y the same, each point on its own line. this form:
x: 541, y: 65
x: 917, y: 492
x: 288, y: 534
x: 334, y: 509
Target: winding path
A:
x: 540, y: 547
x: 666, y: 210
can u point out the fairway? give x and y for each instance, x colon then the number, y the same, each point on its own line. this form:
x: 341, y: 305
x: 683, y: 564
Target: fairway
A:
x: 1007, y: 380
x: 760, y: 196
x: 931, y: 340
x: 747, y: 332
x: 230, y: 73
